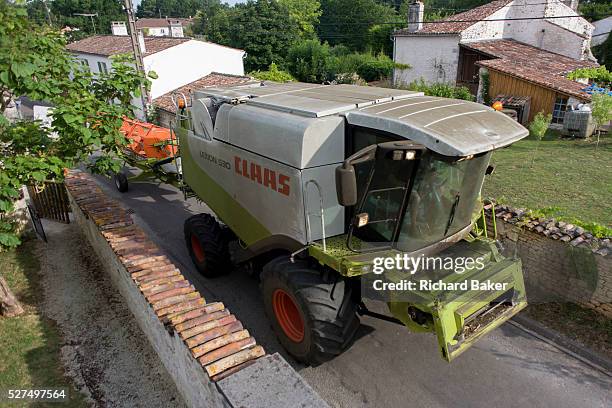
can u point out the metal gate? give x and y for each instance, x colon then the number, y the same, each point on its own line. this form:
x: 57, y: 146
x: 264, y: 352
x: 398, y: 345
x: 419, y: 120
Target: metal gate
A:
x: 51, y: 201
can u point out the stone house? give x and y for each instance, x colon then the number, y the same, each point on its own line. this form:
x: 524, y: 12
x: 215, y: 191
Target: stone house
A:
x: 526, y: 49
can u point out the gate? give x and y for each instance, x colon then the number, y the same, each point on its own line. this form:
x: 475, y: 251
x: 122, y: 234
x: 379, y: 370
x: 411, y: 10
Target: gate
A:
x: 51, y: 201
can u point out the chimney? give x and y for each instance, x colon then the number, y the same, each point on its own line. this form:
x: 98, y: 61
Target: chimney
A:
x: 119, y: 28
x: 141, y: 42
x: 416, y: 11
x: 573, y: 4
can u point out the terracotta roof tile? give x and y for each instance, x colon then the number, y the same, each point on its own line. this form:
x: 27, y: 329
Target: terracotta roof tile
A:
x: 532, y: 64
x: 120, y: 44
x: 458, y: 22
x: 215, y: 79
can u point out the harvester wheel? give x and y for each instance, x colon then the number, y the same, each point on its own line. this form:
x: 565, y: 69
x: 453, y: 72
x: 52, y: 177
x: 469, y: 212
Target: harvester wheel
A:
x: 313, y: 320
x: 121, y: 182
x: 207, y: 244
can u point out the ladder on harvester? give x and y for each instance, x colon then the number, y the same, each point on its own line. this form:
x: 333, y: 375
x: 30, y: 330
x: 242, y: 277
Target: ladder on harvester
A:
x: 180, y: 102
x: 486, y: 226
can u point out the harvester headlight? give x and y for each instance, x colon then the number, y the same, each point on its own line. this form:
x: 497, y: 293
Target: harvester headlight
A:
x: 410, y: 154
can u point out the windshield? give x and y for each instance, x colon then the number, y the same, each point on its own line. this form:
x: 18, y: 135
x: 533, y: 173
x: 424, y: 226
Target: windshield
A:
x: 441, y: 201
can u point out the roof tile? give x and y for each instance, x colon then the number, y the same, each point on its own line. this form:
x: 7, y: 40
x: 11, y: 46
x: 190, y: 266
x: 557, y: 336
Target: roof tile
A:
x: 458, y: 22
x: 108, y: 45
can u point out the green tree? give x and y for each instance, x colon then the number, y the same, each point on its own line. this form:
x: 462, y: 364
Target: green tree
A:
x: 305, y: 13
x: 62, y: 13
x: 594, y: 10
x: 264, y: 30
x: 86, y: 117
x: 601, y: 109
x: 349, y: 22
x: 537, y: 129
x: 168, y: 8
x: 310, y: 61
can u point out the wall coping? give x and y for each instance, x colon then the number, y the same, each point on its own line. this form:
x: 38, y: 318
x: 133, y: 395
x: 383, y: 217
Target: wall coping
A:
x: 556, y: 230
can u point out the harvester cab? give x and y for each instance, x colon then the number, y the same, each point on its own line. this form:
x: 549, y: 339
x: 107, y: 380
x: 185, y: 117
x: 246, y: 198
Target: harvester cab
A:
x: 340, y: 193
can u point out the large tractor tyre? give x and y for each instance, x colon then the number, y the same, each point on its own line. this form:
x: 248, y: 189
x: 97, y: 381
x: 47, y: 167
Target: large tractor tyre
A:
x: 313, y: 320
x: 207, y: 244
x: 121, y: 182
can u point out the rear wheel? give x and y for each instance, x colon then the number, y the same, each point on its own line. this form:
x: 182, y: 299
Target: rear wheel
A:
x: 313, y: 320
x: 121, y: 182
x: 207, y: 244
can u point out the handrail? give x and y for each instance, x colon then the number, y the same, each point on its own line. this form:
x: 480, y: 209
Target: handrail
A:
x: 308, y: 213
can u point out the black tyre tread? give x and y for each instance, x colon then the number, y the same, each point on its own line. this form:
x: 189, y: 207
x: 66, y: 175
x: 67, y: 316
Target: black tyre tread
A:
x: 333, y: 322
x: 213, y: 241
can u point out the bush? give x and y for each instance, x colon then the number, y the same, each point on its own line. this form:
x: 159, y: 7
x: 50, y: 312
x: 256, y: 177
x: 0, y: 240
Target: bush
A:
x: 272, y: 74
x: 376, y: 69
x: 539, y: 125
x: 441, y: 89
x: 311, y: 61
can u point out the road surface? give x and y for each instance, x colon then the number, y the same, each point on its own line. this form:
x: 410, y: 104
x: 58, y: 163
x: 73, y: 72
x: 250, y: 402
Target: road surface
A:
x: 387, y: 366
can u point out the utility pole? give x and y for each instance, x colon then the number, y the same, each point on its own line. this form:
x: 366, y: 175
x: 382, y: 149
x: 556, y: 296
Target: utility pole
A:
x: 47, y: 12
x: 129, y: 10
x: 91, y: 16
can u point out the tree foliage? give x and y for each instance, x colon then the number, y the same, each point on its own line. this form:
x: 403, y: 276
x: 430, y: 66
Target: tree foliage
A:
x: 262, y: 28
x: 272, y: 74
x: 86, y: 116
x: 62, y: 14
x: 305, y: 13
x: 349, y: 22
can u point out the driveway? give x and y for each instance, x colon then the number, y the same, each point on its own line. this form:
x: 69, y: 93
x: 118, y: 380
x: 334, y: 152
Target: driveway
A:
x: 387, y: 366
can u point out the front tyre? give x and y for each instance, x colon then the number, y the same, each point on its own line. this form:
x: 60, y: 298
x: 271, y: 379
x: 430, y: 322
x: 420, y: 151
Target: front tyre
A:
x: 313, y: 320
x: 208, y: 245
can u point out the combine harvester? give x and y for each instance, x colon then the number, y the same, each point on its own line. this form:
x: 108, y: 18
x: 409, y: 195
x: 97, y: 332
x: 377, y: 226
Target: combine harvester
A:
x: 312, y: 184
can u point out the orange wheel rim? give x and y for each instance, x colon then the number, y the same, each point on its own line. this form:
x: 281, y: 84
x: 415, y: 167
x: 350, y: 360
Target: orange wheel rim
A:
x: 197, y: 248
x: 288, y: 315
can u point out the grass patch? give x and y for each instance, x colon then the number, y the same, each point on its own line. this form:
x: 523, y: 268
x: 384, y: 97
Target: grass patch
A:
x: 570, y: 179
x: 576, y: 322
x: 29, y: 344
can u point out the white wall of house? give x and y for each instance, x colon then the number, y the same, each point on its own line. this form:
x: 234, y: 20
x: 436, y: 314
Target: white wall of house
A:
x: 93, y: 60
x: 602, y: 30
x: 191, y: 60
x: 179, y: 65
x: 170, y: 31
x: 432, y: 58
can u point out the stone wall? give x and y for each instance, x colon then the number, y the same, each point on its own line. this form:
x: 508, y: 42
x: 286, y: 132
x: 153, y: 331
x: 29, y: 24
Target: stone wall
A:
x: 200, y: 343
x: 561, y: 262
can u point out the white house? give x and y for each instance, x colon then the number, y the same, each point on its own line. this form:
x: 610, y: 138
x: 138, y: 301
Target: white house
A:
x: 176, y: 61
x: 434, y: 51
x: 602, y: 30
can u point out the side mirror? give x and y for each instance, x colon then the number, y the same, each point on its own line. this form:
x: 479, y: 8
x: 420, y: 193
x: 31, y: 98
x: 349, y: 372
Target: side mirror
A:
x: 490, y: 169
x: 346, y: 185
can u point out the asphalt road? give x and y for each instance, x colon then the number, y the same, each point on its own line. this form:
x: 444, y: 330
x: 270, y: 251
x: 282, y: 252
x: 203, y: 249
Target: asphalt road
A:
x: 387, y: 366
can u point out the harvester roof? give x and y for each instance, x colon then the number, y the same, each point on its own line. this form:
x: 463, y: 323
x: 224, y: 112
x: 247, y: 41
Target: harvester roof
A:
x: 447, y: 126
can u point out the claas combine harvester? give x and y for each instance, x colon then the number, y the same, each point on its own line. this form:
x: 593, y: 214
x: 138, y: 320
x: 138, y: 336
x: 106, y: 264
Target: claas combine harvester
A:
x: 312, y: 184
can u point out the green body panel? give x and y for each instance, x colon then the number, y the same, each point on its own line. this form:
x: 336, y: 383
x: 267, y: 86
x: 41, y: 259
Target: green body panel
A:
x: 242, y: 223
x: 451, y: 309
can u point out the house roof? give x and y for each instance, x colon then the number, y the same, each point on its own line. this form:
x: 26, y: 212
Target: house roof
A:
x: 532, y: 64
x: 120, y: 44
x: 457, y: 22
x: 214, y: 79
x: 158, y: 22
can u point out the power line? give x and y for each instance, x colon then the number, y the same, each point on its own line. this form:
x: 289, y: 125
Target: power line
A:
x: 452, y: 21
